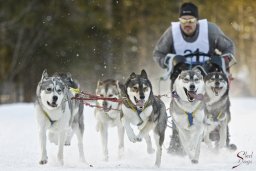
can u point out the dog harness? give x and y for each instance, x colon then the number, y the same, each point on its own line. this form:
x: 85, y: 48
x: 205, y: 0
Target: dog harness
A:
x: 216, y: 119
x: 48, y: 117
x: 129, y: 104
x: 190, y: 115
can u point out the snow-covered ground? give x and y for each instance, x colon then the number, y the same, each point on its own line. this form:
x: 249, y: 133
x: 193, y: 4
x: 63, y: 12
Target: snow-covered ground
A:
x: 19, y: 145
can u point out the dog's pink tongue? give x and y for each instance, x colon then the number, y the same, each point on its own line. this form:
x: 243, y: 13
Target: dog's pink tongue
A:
x: 199, y: 96
x: 196, y: 96
x: 140, y: 103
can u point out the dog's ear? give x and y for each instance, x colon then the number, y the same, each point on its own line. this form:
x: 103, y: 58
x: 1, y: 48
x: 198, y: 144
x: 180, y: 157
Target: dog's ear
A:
x: 100, y: 83
x: 133, y: 75
x: 118, y: 84
x: 200, y: 70
x: 122, y: 89
x: 181, y: 74
x: 44, y: 74
x: 144, y: 74
x: 69, y: 75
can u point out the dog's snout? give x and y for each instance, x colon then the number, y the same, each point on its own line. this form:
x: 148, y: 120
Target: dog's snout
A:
x: 55, y: 98
x: 217, y: 83
x: 192, y: 87
x: 105, y: 103
x: 142, y: 96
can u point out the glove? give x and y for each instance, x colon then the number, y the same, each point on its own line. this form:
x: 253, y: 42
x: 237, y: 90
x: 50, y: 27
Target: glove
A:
x: 168, y: 64
x: 168, y: 58
x: 229, y: 59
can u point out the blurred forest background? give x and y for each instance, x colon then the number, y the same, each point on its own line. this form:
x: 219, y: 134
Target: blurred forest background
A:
x: 100, y: 39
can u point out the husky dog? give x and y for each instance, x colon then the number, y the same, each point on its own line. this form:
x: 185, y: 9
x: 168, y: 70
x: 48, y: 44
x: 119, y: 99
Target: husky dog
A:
x: 109, y: 115
x: 217, y: 110
x: 187, y: 111
x: 141, y: 108
x: 56, y: 114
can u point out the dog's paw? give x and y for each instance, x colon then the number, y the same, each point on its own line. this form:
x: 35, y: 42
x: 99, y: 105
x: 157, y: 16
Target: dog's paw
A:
x: 42, y: 162
x: 139, y: 139
x: 67, y: 143
x: 105, y: 158
x: 133, y: 139
x: 194, y: 161
x: 232, y: 147
x: 120, y: 153
x: 61, y: 162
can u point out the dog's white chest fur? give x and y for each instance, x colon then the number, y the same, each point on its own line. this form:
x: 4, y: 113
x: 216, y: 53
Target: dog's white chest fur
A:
x: 133, y: 116
x: 182, y: 121
x: 111, y: 118
x: 61, y: 119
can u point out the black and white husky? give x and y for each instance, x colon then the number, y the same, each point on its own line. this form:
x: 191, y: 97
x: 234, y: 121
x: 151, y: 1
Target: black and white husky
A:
x: 217, y: 111
x: 58, y: 115
x: 187, y: 111
x: 109, y: 114
x: 142, y: 109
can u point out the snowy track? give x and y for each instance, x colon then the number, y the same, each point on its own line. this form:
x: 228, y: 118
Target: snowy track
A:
x: 19, y: 146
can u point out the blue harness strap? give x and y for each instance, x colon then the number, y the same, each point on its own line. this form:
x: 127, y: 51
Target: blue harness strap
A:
x: 190, y: 118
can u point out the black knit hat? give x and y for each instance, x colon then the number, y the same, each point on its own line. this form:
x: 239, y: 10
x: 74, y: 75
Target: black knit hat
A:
x: 189, y: 8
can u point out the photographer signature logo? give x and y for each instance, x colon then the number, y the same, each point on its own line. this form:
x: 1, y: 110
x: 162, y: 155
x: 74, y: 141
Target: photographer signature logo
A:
x: 243, y: 158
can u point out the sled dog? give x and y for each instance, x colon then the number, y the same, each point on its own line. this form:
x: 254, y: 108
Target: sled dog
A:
x: 187, y: 111
x: 58, y: 115
x: 142, y: 109
x: 108, y: 114
x: 217, y: 111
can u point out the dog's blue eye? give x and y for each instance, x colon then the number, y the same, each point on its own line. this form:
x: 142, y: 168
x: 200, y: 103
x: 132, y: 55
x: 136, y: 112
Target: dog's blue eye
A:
x: 196, y: 80
x: 59, y: 90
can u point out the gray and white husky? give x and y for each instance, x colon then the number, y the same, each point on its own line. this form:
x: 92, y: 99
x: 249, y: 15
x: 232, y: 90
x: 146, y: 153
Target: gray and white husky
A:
x: 217, y: 110
x: 57, y: 114
x: 142, y: 109
x: 109, y: 114
x: 187, y: 111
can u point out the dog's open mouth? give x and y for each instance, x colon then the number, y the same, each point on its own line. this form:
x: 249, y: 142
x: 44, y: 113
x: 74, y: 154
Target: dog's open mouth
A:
x: 191, y: 95
x: 216, y: 90
x: 139, y: 103
x: 53, y: 104
x: 107, y: 109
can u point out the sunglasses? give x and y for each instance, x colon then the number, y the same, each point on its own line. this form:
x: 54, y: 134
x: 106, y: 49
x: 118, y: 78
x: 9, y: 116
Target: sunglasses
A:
x: 190, y: 21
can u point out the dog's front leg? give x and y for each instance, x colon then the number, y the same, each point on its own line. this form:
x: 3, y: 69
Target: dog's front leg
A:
x: 207, y: 140
x: 42, y: 138
x: 223, y: 134
x: 129, y: 130
x: 158, y: 150
x: 104, y: 140
x: 62, y: 138
x: 150, y: 149
x: 120, y: 130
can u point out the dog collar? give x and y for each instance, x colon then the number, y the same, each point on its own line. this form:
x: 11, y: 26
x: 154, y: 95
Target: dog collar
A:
x: 74, y: 90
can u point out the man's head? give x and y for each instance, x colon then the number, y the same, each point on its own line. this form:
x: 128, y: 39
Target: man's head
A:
x: 188, y: 18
